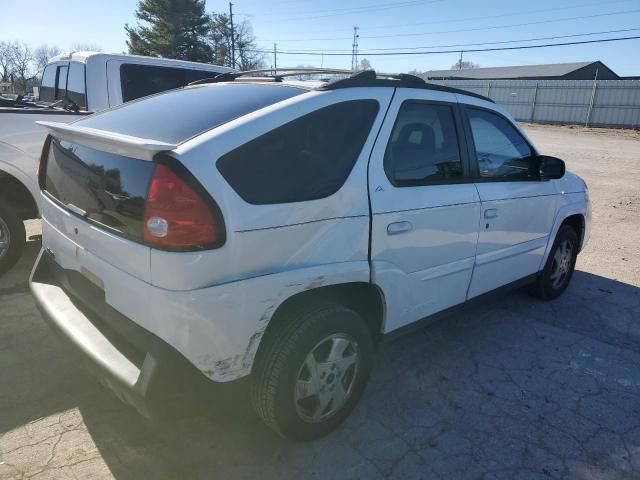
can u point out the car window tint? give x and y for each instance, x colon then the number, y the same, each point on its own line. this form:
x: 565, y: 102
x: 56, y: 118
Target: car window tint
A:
x: 306, y: 159
x: 76, y: 87
x: 423, y: 146
x: 501, y: 151
x: 178, y: 115
x: 143, y: 80
x: 48, y: 84
x: 61, y: 83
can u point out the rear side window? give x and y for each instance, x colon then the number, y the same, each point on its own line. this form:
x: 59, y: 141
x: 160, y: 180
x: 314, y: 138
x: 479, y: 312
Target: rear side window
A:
x: 143, y: 80
x: 76, y: 86
x: 423, y: 147
x: 501, y: 151
x: 305, y: 159
x: 48, y: 84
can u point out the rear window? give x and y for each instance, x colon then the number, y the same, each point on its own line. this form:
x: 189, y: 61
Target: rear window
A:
x: 306, y: 159
x: 142, y: 80
x: 176, y: 116
x: 107, y: 189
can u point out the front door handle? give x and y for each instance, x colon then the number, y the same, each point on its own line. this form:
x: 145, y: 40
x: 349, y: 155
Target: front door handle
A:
x: 399, y: 227
x: 491, y: 213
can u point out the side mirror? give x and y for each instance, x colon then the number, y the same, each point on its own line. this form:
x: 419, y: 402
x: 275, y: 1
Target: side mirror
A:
x: 551, y: 168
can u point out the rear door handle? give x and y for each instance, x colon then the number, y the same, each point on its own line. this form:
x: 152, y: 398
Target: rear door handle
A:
x: 399, y: 227
x: 491, y: 213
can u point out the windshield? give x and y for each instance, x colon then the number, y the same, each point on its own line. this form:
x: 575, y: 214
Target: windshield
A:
x: 178, y: 115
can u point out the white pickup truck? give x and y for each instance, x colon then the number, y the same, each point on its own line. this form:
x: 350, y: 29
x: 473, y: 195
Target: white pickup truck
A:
x: 73, y: 85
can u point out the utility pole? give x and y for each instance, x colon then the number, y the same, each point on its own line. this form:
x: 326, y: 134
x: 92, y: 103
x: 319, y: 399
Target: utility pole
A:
x: 233, y: 40
x: 354, y: 50
x: 275, y: 58
x: 460, y: 61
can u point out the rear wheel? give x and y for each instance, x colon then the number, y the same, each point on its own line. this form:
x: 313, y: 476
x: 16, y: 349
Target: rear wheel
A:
x: 557, y: 273
x: 12, y: 237
x: 313, y: 371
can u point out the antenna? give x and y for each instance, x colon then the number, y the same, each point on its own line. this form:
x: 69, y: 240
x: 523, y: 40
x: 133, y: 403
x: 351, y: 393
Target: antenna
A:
x: 354, y: 51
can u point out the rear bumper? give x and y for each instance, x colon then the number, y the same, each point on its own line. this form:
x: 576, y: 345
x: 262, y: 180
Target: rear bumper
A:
x: 141, y: 369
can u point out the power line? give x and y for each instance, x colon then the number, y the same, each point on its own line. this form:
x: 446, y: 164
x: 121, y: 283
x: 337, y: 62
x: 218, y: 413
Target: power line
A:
x: 337, y: 12
x: 554, y: 37
x: 477, y: 29
x: 475, y: 18
x: 433, y: 52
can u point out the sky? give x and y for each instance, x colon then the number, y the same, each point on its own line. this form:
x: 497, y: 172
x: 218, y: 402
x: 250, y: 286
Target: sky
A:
x: 327, y: 27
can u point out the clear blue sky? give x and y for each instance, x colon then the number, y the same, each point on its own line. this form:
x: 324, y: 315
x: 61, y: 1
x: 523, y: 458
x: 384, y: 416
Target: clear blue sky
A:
x: 328, y: 25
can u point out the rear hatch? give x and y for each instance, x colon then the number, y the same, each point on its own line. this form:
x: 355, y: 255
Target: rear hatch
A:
x: 115, y: 192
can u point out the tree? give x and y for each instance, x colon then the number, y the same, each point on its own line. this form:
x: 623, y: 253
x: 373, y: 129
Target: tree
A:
x: 464, y: 65
x: 5, y: 61
x: 364, y: 65
x: 42, y: 54
x: 172, y: 29
x: 21, y: 62
x: 86, y: 47
x: 247, y: 56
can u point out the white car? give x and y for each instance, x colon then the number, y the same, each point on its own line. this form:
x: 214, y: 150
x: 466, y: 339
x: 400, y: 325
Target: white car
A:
x: 253, y: 227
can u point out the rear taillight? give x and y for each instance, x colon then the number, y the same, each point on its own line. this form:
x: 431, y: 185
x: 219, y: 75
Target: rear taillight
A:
x: 42, y: 165
x: 179, y: 213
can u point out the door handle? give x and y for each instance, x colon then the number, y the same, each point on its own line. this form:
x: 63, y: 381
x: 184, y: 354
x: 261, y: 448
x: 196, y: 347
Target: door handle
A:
x: 491, y: 213
x: 399, y: 227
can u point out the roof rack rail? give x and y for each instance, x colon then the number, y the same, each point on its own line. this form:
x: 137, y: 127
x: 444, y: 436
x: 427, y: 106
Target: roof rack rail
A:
x: 273, y: 74
x: 364, y: 78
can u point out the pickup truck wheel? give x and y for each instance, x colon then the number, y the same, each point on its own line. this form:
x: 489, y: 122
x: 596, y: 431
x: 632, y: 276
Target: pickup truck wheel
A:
x: 557, y: 272
x: 313, y: 371
x: 12, y: 237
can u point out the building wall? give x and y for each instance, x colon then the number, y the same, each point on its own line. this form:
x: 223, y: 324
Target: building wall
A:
x: 603, y: 103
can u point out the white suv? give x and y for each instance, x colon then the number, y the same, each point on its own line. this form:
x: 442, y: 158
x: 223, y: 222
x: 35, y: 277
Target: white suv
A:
x: 279, y: 230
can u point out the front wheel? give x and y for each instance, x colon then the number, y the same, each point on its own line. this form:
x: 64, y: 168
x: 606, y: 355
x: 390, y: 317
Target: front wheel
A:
x: 313, y: 371
x: 556, y: 275
x: 12, y: 237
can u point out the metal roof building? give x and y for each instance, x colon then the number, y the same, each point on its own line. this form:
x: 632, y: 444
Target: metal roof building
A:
x: 553, y: 71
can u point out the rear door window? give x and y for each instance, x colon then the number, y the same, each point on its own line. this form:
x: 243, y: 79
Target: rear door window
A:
x: 423, y: 147
x: 142, y: 80
x: 306, y: 159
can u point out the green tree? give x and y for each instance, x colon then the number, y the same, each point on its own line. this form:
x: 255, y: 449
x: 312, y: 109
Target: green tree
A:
x: 171, y: 29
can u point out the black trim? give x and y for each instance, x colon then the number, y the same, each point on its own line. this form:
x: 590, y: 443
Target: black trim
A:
x: 462, y: 149
x: 471, y: 146
x: 184, y: 174
x: 44, y: 111
x: 412, y: 327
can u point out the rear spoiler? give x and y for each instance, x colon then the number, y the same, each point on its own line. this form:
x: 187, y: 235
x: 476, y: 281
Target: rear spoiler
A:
x: 118, y: 143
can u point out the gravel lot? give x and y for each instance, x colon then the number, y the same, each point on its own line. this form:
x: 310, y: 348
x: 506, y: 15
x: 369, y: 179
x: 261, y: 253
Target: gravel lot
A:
x: 514, y: 388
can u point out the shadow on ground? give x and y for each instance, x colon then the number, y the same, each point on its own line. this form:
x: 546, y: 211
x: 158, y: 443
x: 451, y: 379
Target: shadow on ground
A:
x: 515, y: 388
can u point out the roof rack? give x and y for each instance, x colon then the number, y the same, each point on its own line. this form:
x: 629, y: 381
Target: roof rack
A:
x: 364, y: 78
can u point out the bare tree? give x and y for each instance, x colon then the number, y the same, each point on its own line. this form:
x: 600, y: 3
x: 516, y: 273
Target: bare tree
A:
x: 365, y: 65
x: 5, y: 61
x: 42, y: 54
x: 464, y: 65
x: 247, y: 56
x: 22, y: 65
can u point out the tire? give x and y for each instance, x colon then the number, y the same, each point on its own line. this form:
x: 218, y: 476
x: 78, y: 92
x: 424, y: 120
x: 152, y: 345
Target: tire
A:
x: 308, y: 335
x: 12, y: 237
x: 556, y: 275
